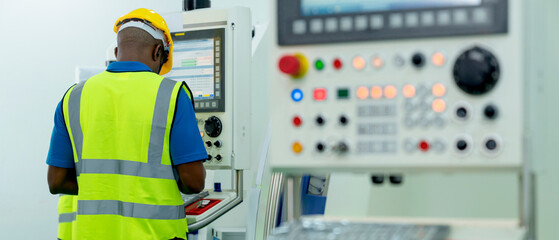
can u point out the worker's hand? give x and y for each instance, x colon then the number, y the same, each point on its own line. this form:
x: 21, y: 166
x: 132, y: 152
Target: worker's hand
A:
x: 192, y: 177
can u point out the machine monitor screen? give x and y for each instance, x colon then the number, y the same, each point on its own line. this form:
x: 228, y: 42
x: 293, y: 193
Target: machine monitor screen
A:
x: 329, y: 7
x: 198, y: 60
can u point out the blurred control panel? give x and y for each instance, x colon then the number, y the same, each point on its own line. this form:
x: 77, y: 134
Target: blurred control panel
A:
x: 443, y: 91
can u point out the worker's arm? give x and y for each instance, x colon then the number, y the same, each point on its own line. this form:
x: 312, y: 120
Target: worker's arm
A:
x: 192, y: 177
x: 187, y: 148
x: 62, y: 180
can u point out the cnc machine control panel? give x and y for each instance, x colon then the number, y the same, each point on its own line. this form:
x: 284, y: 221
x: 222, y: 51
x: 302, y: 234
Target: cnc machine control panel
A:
x: 364, y: 85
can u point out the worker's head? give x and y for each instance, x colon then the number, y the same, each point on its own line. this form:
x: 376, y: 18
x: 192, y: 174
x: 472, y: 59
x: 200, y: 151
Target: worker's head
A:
x: 143, y: 36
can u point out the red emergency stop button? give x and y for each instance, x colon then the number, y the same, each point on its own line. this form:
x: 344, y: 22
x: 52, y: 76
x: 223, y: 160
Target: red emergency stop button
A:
x: 294, y: 65
x: 424, y: 146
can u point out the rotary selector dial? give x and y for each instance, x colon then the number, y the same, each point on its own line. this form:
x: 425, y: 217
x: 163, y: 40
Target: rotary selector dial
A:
x: 213, y: 126
x: 476, y: 71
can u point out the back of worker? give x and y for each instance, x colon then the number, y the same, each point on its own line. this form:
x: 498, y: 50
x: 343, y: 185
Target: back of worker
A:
x: 119, y: 125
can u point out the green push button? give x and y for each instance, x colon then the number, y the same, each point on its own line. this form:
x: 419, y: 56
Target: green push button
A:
x: 343, y: 93
x: 319, y: 64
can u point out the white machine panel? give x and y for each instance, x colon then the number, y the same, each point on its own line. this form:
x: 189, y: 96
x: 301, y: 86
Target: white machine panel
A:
x: 212, y: 52
x: 406, y: 100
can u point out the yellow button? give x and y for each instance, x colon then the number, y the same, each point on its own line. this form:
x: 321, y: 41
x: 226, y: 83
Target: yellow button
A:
x: 438, y: 90
x: 377, y: 62
x: 363, y: 93
x: 376, y: 92
x: 439, y: 105
x: 358, y: 63
x: 390, y: 92
x: 438, y: 59
x: 409, y: 91
x: 297, y: 147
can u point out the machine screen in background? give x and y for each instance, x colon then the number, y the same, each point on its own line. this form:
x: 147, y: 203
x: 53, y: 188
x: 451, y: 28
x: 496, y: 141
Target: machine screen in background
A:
x: 195, y: 65
x: 329, y: 7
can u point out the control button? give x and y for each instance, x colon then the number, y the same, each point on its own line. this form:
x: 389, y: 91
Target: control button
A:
x: 412, y: 20
x: 461, y: 145
x: 341, y: 148
x: 218, y: 157
x: 396, y: 20
x: 492, y: 145
x: 481, y: 16
x: 377, y: 179
x: 438, y: 59
x: 408, y: 90
x: 316, y: 25
x: 396, y: 179
x: 410, y: 145
x: 358, y: 63
x: 462, y: 111
x: 319, y: 64
x: 377, y: 22
x: 427, y: 19
x: 418, y: 60
x: 331, y: 25
x: 218, y: 143
x: 399, y: 61
x: 491, y: 112
x: 320, y: 120
x: 297, y: 147
x: 208, y: 143
x: 294, y: 65
x: 460, y: 17
x: 299, y: 27
x: 343, y: 120
x: 362, y: 93
x: 319, y: 94
x: 297, y: 95
x: 476, y: 71
x: 320, y: 147
x: 443, y: 18
x: 209, y: 157
x: 438, y: 105
x: 438, y: 90
x: 346, y: 24
x: 297, y: 121
x: 343, y: 93
x: 376, y: 92
x: 424, y: 146
x: 361, y: 23
x: 213, y: 126
x: 439, y: 145
x: 390, y: 92
x: 377, y: 62
x: 337, y: 64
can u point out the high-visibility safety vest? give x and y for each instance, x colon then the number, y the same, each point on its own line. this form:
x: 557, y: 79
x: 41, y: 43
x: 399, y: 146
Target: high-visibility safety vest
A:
x: 119, y: 125
x: 67, y: 206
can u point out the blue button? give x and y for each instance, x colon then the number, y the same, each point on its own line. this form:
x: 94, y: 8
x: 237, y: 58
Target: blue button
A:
x: 297, y: 95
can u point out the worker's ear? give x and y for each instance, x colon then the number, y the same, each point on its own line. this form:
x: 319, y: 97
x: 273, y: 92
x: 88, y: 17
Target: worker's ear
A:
x: 116, y: 52
x: 158, y: 53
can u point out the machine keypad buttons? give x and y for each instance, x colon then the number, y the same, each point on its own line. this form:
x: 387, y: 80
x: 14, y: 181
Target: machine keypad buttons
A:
x: 377, y: 22
x: 299, y: 27
x: 396, y: 20
x: 331, y: 25
x: 316, y: 25
x: 360, y: 23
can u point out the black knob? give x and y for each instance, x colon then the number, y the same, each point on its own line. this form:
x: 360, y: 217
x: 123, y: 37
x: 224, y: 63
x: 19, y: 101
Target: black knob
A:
x: 377, y: 179
x: 341, y: 147
x: 491, y: 144
x: 462, y: 112
x: 476, y: 71
x: 418, y: 60
x: 396, y: 179
x: 217, y: 143
x: 343, y: 120
x: 461, y: 145
x: 320, y: 147
x: 213, y: 126
x: 209, y: 143
x: 320, y: 120
x: 218, y: 157
x: 209, y: 157
x: 491, y: 112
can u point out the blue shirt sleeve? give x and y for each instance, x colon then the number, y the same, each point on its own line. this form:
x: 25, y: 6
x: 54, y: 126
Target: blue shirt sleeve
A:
x: 186, y: 142
x: 60, y: 151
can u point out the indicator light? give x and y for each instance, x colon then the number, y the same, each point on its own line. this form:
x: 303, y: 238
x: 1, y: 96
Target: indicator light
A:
x: 362, y: 93
x: 377, y: 62
x: 337, y: 64
x: 297, y: 147
x: 343, y: 93
x: 438, y: 59
x: 201, y: 134
x: 358, y: 63
x: 319, y: 94
x: 424, y: 146
x: 408, y: 91
x: 439, y: 105
x: 297, y: 95
x: 390, y: 92
x: 297, y: 121
x: 438, y: 90
x: 376, y: 92
x: 319, y: 64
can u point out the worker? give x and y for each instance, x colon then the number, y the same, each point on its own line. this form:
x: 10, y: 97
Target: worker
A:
x: 128, y: 139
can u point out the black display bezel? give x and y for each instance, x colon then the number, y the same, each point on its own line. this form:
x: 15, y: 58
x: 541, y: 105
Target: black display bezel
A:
x: 290, y: 10
x: 216, y: 34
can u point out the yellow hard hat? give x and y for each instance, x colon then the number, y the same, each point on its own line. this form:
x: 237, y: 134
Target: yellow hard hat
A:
x: 150, y: 17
